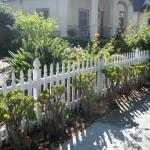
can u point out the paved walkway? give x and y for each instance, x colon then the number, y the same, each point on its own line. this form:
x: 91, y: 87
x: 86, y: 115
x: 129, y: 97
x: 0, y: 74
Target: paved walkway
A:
x: 125, y: 129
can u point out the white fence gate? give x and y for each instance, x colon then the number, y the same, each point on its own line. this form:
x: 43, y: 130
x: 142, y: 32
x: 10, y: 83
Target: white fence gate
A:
x: 37, y: 81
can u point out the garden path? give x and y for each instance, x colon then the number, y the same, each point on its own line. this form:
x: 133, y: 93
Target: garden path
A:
x: 127, y: 128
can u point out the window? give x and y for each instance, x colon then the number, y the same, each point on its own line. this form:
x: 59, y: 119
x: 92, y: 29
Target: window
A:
x: 83, y: 17
x: 43, y: 11
x: 84, y: 23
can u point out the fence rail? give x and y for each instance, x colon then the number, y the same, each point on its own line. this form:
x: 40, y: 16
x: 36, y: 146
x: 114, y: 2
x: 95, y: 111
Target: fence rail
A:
x: 36, y: 81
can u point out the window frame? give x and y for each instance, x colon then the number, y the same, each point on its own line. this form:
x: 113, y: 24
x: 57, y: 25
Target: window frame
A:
x: 41, y: 10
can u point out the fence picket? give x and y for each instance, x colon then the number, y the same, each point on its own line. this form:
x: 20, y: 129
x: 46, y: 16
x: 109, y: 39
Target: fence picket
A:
x: 13, y: 78
x: 33, y: 86
x: 29, y: 81
x: 68, y: 83
x: 45, y: 77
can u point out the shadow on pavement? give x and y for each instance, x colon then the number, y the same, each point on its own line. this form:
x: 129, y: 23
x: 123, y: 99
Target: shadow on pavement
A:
x: 108, y: 130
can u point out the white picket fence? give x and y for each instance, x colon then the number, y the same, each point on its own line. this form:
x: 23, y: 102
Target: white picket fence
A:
x: 37, y: 81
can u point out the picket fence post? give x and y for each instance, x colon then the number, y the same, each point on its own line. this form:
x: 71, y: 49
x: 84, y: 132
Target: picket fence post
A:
x: 37, y: 85
x: 100, y: 77
x: 137, y: 55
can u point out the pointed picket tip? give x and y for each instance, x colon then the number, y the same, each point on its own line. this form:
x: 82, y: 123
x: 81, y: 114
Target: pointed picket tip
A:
x: 21, y: 76
x: 68, y: 67
x: 29, y: 75
x: 63, y: 67
x: 36, y: 64
x: 73, y: 66
x: 45, y: 68
x: 51, y: 69
x: 57, y: 68
x: 137, y: 49
x: 78, y: 65
x: 13, y: 78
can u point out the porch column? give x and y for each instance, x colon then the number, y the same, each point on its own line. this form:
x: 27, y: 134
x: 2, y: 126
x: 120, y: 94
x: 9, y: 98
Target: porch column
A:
x: 63, y: 17
x: 114, y: 18
x: 94, y: 18
x: 130, y: 13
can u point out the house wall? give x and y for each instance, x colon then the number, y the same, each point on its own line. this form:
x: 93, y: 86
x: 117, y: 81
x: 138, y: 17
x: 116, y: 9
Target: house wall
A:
x: 55, y: 9
x: 139, y: 18
x: 29, y: 6
x: 115, y: 11
x: 68, y: 15
x: 73, y: 10
x: 105, y: 6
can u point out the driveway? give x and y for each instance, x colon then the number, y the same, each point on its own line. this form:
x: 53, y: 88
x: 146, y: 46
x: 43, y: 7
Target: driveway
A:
x: 127, y: 128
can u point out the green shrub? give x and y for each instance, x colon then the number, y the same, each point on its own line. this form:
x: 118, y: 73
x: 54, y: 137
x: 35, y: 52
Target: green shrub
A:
x: 138, y: 37
x: 36, y: 37
x: 85, y: 85
x: 34, y: 26
x: 14, y: 108
x: 54, y: 109
x: 124, y: 79
x: 7, y: 36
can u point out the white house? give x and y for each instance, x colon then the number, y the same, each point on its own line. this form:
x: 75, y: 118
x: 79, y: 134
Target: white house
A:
x: 140, y: 7
x: 82, y: 18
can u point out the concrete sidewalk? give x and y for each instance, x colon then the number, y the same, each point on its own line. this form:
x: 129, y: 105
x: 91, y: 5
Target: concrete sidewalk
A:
x: 125, y: 129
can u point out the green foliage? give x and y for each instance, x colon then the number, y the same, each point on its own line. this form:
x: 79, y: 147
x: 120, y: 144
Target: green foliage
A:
x: 84, y: 81
x: 107, y: 50
x: 54, y: 108
x: 113, y: 73
x: 48, y: 51
x: 36, y: 37
x: 138, y: 37
x: 7, y: 36
x: 120, y: 45
x: 84, y: 84
x: 124, y: 78
x: 81, y: 54
x: 34, y: 26
x: 15, y: 105
x: 14, y: 108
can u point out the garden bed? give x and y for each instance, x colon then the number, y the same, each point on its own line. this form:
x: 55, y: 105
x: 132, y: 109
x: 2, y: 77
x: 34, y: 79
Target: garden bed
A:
x: 42, y: 139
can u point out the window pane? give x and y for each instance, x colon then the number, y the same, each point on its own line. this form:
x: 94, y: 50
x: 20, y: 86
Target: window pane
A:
x: 43, y: 11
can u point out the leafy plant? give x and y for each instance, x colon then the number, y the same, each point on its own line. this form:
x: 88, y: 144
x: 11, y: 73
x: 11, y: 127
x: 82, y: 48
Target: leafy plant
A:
x: 34, y: 26
x: 16, y: 111
x: 113, y: 77
x: 124, y: 78
x: 85, y: 85
x: 138, y: 37
x: 54, y: 108
x: 35, y: 35
x: 49, y: 51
